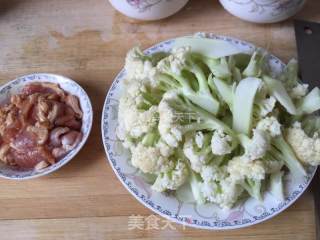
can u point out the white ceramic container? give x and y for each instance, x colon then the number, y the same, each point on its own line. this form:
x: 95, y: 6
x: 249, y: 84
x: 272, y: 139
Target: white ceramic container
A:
x: 148, y: 9
x: 263, y: 11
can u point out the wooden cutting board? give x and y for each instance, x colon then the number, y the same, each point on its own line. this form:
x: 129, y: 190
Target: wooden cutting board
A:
x: 87, y: 40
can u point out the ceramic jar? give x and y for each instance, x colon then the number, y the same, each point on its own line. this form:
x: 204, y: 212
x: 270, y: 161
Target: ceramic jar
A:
x: 263, y: 11
x: 148, y: 9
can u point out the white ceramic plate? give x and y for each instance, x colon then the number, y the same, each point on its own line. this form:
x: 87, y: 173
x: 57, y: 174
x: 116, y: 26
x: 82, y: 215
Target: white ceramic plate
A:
x: 15, y: 86
x: 209, y: 216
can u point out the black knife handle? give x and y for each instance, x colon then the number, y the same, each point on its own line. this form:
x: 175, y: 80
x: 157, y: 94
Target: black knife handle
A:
x: 308, y: 45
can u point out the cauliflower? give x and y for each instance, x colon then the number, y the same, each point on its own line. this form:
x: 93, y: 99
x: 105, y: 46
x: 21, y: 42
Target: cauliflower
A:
x: 272, y: 165
x: 133, y: 121
x: 224, y: 193
x: 217, y: 187
x: 169, y: 127
x: 306, y: 148
x: 197, y: 161
x: 177, y: 60
x: 266, y: 106
x: 138, y: 112
x: 137, y: 65
x: 213, y: 173
x: 270, y: 125
x: 135, y: 91
x: 172, y: 67
x: 184, y: 113
x: 177, y: 117
x: 221, y: 143
x: 165, y: 149
x: 224, y: 185
x: 172, y: 179
x: 256, y: 147
x: 248, y: 174
x: 299, y: 91
x: 150, y: 159
x: 197, y: 150
x: 239, y: 169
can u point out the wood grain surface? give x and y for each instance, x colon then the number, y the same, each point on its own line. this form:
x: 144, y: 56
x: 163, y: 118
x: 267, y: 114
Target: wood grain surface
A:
x: 87, y: 40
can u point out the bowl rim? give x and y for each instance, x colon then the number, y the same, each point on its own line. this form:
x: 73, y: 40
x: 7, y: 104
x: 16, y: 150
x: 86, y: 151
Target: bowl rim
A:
x: 153, y: 209
x: 67, y: 158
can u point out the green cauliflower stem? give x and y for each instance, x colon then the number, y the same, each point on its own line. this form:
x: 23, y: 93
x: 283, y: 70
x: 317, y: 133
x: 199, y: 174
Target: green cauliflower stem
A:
x: 177, y: 118
x: 310, y: 103
x: 277, y: 90
x: 255, y: 66
x: 282, y: 151
x: 243, y: 104
x: 180, y: 61
x: 276, y: 185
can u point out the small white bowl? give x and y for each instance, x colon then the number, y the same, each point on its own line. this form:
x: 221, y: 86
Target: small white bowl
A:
x: 70, y: 86
x: 263, y: 11
x: 148, y: 9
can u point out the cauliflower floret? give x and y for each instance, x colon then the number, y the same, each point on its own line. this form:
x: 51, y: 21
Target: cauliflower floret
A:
x: 165, y: 150
x: 256, y: 147
x: 135, y: 90
x: 270, y: 125
x: 122, y: 135
x: 150, y: 159
x: 172, y: 179
x: 197, y: 148
x: 153, y: 77
x: 137, y: 66
x: 221, y: 143
x: 299, y: 91
x: 272, y: 166
x: 306, y: 148
x: 217, y: 187
x: 177, y: 60
x: 213, y: 173
x: 240, y: 169
x: 197, y: 161
x: 267, y: 105
x: 168, y: 127
x: 133, y: 121
x: 224, y: 193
